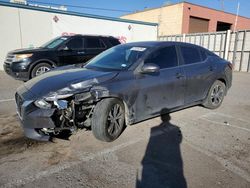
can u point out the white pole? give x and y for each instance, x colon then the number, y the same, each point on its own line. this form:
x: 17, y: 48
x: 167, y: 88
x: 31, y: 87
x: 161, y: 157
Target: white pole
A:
x: 184, y: 37
x: 227, y: 44
x: 236, y: 18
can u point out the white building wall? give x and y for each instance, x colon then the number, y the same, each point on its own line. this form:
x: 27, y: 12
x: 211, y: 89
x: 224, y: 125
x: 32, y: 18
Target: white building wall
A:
x: 10, y: 37
x: 26, y: 28
x: 36, y: 27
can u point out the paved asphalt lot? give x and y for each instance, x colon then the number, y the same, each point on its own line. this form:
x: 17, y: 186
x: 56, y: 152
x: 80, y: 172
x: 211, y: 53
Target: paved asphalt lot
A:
x: 195, y: 147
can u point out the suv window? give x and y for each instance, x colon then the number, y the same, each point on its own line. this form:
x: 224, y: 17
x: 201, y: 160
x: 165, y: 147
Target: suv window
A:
x: 114, y: 41
x: 92, y: 42
x: 165, y: 57
x: 75, y: 43
x: 190, y: 54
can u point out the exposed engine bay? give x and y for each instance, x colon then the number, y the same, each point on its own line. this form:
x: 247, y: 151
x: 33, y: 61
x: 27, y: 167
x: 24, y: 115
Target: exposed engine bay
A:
x: 71, y: 114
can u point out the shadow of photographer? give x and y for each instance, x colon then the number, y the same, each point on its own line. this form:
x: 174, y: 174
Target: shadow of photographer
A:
x: 162, y: 164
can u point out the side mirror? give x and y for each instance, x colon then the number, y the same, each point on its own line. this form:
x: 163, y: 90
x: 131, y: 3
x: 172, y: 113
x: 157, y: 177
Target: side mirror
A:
x: 150, y: 68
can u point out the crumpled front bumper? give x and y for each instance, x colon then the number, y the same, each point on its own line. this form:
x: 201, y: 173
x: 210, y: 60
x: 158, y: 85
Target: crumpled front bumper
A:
x: 34, y: 119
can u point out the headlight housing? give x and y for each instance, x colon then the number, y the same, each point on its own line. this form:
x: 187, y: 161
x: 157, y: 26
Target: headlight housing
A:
x: 20, y: 57
x: 60, y: 94
x: 41, y: 103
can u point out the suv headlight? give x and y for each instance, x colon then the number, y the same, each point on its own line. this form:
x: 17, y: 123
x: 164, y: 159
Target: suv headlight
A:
x: 19, y: 57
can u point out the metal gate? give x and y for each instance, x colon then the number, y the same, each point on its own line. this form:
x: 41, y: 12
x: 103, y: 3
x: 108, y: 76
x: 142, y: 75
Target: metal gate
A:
x: 233, y: 46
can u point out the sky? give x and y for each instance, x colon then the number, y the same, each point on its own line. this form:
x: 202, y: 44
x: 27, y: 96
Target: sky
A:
x: 135, y: 5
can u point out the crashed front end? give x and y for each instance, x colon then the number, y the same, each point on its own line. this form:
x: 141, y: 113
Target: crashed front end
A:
x: 65, y: 110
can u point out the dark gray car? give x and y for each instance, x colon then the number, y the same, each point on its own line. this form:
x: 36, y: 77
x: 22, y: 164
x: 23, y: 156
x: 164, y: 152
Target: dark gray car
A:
x: 122, y: 86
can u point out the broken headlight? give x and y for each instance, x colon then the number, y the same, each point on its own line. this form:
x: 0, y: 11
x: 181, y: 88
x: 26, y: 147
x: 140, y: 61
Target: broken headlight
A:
x: 40, y: 103
x: 60, y: 94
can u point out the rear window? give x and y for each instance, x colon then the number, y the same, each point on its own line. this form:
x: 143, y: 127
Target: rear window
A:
x: 190, y: 55
x: 114, y: 41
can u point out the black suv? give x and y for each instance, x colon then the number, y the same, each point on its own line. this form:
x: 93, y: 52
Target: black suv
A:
x: 25, y: 64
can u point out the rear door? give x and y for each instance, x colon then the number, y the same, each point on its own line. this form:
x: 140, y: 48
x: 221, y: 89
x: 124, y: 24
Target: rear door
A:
x: 198, y: 72
x: 93, y: 46
x: 163, y: 90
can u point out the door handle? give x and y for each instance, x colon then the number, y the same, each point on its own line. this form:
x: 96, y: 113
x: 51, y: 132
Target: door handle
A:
x: 179, y: 75
x: 80, y: 52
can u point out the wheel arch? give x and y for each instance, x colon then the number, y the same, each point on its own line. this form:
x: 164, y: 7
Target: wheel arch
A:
x: 126, y: 108
x: 50, y: 62
x: 223, y: 80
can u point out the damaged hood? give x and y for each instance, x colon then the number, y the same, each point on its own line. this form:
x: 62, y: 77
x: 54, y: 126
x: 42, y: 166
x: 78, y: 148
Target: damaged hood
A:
x: 61, y: 78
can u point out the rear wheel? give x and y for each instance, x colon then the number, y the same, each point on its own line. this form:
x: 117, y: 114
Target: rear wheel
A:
x: 216, y: 95
x: 108, y: 119
x: 40, y: 69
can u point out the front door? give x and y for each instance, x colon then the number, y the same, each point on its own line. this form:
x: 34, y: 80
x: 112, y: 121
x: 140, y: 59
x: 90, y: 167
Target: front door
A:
x: 163, y: 91
x: 73, y: 53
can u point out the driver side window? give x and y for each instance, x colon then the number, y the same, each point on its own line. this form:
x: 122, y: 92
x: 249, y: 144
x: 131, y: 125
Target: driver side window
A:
x: 75, y: 44
x: 164, y: 57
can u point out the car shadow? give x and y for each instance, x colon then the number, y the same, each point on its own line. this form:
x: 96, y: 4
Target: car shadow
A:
x: 162, y: 164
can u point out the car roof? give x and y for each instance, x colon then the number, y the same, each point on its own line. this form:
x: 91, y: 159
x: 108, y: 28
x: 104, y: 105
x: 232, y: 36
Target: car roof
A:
x: 160, y: 43
x: 88, y: 35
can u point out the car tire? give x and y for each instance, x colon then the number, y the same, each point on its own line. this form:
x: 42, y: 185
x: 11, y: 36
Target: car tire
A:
x: 40, y: 69
x: 215, y: 95
x: 108, y: 119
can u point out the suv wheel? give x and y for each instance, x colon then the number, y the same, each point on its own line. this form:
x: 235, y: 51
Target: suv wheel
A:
x: 215, y: 95
x: 40, y: 69
x: 108, y: 119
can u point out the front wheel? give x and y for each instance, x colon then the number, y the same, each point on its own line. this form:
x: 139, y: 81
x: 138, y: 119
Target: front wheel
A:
x: 108, y: 119
x: 40, y: 69
x: 215, y: 95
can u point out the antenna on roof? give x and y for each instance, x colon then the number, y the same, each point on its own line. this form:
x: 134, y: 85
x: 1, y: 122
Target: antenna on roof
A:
x: 222, y: 5
x: 167, y: 3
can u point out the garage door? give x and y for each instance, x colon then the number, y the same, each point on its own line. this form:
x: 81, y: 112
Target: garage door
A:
x: 198, y: 25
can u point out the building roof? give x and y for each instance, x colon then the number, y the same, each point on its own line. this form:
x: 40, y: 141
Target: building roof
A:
x: 148, y: 9
x: 23, y: 6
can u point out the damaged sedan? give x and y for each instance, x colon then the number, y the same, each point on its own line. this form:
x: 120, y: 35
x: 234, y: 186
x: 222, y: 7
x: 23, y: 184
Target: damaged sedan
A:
x: 122, y: 86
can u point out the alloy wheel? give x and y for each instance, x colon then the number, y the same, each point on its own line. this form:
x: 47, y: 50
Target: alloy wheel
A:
x: 217, y: 95
x: 115, y: 120
x: 42, y: 70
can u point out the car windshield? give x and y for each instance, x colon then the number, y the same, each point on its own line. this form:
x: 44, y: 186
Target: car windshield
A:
x: 54, y: 42
x: 117, y: 58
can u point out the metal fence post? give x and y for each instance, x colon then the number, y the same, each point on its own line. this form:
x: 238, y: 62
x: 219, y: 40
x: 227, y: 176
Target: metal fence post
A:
x: 227, y: 44
x: 184, y: 37
x: 242, y: 50
x: 235, y: 47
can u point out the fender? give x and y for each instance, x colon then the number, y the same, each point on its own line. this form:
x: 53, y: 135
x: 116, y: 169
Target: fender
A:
x: 100, y: 93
